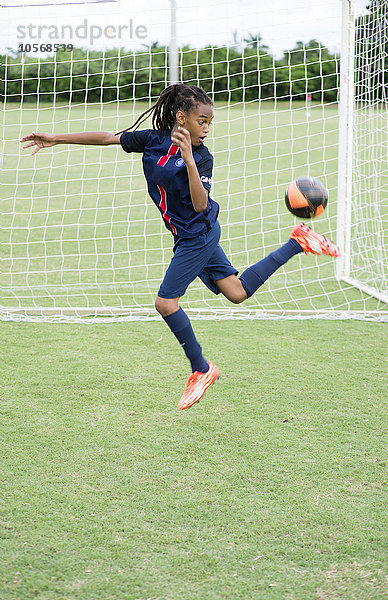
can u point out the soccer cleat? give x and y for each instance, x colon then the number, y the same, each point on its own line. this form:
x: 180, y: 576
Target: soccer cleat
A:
x: 312, y: 242
x: 197, y: 385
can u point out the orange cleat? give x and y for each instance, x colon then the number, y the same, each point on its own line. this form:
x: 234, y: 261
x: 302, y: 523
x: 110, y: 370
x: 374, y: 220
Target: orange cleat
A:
x: 312, y: 242
x: 197, y: 385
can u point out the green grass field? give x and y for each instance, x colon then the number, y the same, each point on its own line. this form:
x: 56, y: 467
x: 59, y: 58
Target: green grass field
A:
x: 271, y: 488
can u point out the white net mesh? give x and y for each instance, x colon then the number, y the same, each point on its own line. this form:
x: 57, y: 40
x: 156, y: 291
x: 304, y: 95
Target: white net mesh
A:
x: 80, y: 239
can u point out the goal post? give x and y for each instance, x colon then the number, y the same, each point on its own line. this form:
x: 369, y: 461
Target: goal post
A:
x: 363, y: 147
x: 80, y: 241
x: 173, y: 52
x: 345, y: 140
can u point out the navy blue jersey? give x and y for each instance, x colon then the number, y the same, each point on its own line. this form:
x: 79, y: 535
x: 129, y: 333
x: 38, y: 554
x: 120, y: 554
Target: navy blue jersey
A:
x: 168, y: 182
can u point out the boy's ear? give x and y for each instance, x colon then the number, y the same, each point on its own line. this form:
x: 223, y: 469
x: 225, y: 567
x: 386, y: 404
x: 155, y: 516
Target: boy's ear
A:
x: 180, y: 117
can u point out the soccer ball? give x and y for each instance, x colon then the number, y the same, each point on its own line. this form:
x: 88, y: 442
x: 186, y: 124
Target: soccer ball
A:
x: 306, y: 197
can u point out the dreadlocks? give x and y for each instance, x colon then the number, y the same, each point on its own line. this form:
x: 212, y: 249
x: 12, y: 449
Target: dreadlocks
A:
x: 173, y: 98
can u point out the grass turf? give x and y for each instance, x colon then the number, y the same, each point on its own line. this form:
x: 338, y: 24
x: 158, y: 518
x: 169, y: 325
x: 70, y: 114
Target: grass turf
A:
x: 271, y: 488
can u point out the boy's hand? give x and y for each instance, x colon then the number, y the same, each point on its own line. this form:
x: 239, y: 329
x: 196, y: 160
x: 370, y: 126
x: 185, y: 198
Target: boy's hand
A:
x: 181, y: 137
x: 40, y: 140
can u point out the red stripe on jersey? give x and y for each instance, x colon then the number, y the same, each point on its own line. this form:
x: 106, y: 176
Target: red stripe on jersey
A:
x: 163, y: 206
x: 171, y: 152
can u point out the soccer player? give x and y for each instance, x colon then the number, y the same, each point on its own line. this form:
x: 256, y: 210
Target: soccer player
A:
x: 178, y: 170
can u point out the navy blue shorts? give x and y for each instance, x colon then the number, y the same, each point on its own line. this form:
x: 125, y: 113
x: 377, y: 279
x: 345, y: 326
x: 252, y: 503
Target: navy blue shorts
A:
x: 200, y: 257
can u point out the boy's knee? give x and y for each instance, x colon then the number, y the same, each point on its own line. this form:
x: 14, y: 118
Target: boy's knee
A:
x: 166, y: 306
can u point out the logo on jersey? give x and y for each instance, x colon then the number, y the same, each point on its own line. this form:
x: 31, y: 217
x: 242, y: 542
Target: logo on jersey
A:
x: 206, y: 179
x: 179, y: 162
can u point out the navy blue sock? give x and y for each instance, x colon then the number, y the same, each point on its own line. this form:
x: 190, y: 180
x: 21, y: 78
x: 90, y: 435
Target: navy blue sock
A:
x: 253, y: 277
x: 180, y: 325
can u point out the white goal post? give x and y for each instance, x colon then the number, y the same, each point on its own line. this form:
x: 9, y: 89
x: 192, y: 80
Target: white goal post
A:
x: 80, y: 241
x: 362, y: 210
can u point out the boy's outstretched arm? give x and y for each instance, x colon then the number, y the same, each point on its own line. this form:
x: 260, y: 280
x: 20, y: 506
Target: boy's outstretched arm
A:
x: 46, y: 140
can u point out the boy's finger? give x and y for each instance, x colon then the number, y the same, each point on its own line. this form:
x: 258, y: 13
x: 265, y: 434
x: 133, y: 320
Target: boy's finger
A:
x: 180, y: 138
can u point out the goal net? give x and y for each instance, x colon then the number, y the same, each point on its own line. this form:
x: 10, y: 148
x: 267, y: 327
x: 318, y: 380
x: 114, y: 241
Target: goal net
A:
x: 79, y: 238
x: 363, y: 166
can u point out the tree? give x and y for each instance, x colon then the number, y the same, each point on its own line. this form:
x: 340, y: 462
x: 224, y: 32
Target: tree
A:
x: 309, y: 68
x: 247, y: 73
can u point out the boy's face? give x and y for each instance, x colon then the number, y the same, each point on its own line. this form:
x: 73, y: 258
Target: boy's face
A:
x: 197, y: 122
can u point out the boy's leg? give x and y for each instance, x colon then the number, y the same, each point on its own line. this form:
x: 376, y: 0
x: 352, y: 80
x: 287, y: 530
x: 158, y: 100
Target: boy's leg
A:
x: 180, y: 325
x: 302, y: 239
x: 254, y: 277
x: 190, y: 258
x: 238, y: 289
x: 204, y: 373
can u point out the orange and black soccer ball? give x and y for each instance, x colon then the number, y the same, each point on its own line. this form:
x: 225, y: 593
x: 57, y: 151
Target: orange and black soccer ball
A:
x: 306, y: 197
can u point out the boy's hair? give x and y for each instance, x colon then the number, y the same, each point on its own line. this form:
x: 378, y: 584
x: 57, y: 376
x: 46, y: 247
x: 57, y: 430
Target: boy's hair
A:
x: 173, y: 98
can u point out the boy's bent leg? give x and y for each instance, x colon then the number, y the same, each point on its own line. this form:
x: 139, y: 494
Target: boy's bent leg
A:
x: 254, y: 277
x: 238, y: 289
x: 232, y: 288
x: 302, y: 239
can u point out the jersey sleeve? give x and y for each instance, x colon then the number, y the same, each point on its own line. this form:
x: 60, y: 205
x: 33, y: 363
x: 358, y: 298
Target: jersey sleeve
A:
x: 134, y: 141
x: 205, y: 171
